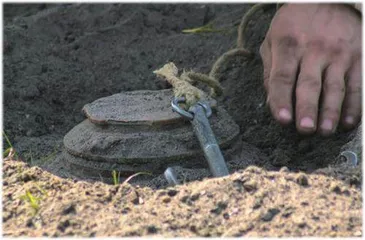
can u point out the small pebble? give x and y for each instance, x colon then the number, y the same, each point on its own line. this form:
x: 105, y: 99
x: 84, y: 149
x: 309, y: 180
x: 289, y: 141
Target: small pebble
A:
x: 69, y: 209
x: 29, y: 223
x: 257, y: 203
x: 184, y: 199
x: 151, y: 229
x: 237, y: 184
x: 195, y: 197
x: 193, y: 228
x: 334, y: 187
x: 220, y: 207
x: 287, y: 212
x: 26, y: 177
x: 172, y: 192
x: 302, y: 179
x: 162, y: 193
x: 125, y: 210
x: 270, y: 214
x: 166, y: 200
x: 354, y: 180
x: 250, y: 185
x: 137, y: 200
x: 63, y: 225
x: 302, y: 224
x: 304, y: 203
x: 346, y: 192
x: 226, y: 216
x: 284, y: 169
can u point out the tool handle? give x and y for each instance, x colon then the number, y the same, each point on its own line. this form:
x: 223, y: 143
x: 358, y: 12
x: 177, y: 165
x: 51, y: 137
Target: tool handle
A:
x: 208, y: 142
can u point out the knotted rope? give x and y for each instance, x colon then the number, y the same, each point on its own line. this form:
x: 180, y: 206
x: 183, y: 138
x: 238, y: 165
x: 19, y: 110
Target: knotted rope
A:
x: 183, y: 85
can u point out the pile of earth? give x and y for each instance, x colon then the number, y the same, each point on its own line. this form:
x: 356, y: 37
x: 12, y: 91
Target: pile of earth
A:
x: 250, y: 202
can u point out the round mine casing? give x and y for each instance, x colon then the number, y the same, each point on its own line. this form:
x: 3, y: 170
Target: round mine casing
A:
x: 137, y: 131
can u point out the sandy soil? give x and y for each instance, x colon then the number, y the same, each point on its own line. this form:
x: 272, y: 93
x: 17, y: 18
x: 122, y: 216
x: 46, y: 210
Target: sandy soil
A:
x: 57, y: 58
x: 250, y: 202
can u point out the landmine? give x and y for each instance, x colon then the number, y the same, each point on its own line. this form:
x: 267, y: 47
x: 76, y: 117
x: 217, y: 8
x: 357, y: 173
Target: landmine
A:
x: 137, y: 131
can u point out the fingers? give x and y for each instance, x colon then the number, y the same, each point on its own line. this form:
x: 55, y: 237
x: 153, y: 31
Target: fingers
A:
x: 266, y: 61
x: 308, y: 90
x: 284, y: 67
x: 333, y: 95
x: 340, y: 100
x: 351, y: 110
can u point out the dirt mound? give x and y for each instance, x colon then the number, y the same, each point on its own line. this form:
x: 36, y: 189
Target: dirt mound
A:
x: 250, y: 202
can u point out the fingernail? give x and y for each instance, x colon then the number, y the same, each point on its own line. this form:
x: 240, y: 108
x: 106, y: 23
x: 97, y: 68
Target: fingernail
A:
x: 327, y: 125
x: 349, y: 120
x: 306, y: 122
x: 284, y: 114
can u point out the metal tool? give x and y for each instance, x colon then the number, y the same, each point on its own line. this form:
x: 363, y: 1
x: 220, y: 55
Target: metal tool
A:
x: 198, y: 116
x: 171, y: 177
x: 349, y: 157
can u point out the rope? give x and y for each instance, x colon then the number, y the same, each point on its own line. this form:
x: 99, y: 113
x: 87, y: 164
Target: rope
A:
x: 224, y: 58
x: 215, y: 86
x: 246, y: 19
x: 182, y: 85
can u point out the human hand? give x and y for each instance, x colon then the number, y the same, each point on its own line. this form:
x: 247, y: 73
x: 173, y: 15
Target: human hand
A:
x: 314, y: 52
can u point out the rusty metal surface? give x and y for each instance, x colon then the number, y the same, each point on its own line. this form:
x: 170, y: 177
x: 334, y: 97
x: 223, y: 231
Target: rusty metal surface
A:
x: 135, y: 145
x: 138, y: 131
x: 145, y: 107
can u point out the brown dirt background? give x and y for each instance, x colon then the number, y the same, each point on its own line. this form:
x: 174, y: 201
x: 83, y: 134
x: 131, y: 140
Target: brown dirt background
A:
x: 58, y: 57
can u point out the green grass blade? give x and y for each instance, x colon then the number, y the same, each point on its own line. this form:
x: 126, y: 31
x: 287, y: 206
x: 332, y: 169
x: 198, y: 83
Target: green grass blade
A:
x: 9, y: 144
x: 6, y: 152
x: 208, y: 28
x: 7, y: 139
x: 115, y: 177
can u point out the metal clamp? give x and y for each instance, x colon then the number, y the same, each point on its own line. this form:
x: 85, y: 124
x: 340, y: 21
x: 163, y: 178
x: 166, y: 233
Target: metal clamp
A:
x: 198, y: 116
x: 349, y: 157
x: 189, y: 114
x: 176, y: 108
x: 171, y: 177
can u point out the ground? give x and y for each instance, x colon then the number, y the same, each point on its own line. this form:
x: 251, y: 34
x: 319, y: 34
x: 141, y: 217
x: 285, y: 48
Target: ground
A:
x: 59, y: 57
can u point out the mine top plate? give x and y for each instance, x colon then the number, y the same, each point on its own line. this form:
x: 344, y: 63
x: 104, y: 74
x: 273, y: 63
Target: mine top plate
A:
x: 144, y: 107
